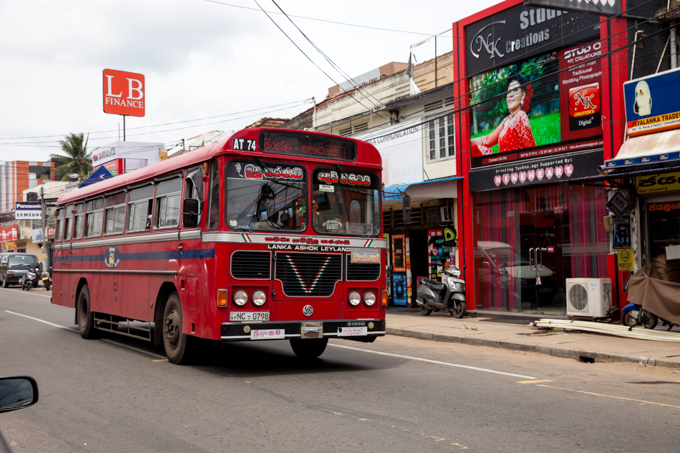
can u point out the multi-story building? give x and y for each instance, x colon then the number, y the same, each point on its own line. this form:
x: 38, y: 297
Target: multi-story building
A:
x: 17, y: 176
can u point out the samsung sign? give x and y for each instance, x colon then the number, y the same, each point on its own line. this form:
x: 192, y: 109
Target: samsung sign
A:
x: 28, y: 210
x: 521, y: 32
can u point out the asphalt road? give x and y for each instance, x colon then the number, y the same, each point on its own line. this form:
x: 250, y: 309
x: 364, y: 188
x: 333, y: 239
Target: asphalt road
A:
x: 397, y: 394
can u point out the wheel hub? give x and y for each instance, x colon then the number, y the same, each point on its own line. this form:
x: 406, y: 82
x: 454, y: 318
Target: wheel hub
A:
x: 172, y: 327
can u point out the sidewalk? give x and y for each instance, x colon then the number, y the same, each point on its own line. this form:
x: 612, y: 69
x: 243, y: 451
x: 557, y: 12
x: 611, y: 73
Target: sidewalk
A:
x: 508, y: 333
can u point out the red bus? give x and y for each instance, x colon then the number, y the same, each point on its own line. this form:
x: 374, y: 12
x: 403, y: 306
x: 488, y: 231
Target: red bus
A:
x: 271, y: 234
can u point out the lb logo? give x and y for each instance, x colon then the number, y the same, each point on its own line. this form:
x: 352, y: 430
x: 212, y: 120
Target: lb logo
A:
x: 112, y: 257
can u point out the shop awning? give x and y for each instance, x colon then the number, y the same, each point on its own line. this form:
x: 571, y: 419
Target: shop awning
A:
x: 648, y: 149
x: 426, y: 190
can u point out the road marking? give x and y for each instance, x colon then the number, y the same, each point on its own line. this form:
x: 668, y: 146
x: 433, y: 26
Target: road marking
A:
x: 433, y: 361
x: 105, y: 340
x: 29, y: 292
x: 39, y: 320
x: 609, y: 396
x: 161, y: 360
x: 536, y: 381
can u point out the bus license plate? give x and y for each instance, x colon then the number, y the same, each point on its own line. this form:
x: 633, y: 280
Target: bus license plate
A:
x: 352, y: 331
x: 249, y: 316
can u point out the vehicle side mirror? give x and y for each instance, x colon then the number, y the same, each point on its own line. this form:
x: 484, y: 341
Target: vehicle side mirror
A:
x: 190, y: 212
x: 17, y: 392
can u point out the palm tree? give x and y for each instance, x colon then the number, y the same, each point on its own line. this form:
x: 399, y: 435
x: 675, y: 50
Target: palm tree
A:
x: 75, y: 159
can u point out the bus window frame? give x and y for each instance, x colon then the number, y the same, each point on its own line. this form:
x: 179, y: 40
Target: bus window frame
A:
x: 68, y: 222
x: 306, y: 193
x: 114, y: 207
x: 156, y: 204
x: 141, y: 200
x: 208, y: 217
x: 187, y: 172
x: 94, y: 211
x: 345, y: 170
x: 59, y: 232
x: 79, y: 216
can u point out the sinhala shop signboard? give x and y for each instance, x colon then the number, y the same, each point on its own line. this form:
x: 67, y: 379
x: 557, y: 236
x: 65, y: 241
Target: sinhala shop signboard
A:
x: 10, y: 233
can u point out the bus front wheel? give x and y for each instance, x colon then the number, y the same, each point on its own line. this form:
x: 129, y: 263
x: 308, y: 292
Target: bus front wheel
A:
x: 308, y: 349
x: 85, y: 316
x: 174, y: 341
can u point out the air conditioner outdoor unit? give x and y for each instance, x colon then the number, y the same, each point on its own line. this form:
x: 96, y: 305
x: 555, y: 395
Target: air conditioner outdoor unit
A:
x: 589, y: 297
x: 446, y: 214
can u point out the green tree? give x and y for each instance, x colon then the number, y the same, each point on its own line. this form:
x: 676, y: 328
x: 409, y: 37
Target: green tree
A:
x: 75, y: 160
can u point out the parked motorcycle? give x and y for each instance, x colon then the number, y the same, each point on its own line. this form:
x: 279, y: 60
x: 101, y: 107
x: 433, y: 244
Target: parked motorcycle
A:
x: 634, y: 315
x: 28, y: 281
x: 448, y: 295
x: 47, y: 279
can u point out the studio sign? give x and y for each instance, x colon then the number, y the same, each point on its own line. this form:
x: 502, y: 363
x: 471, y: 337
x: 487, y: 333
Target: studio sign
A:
x: 516, y: 32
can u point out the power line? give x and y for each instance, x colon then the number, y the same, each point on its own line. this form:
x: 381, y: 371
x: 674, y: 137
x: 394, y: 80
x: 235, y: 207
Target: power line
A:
x: 323, y: 20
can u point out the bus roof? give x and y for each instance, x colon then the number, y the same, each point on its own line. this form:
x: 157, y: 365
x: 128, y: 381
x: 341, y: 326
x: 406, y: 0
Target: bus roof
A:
x: 369, y: 157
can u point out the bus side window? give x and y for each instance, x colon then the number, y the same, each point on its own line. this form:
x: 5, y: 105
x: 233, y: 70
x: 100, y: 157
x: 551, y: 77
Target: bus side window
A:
x: 214, y: 209
x: 168, y: 201
x: 115, y: 213
x: 80, y: 221
x: 140, y: 207
x: 193, y: 187
x: 59, y: 234
x: 68, y: 223
x: 94, y: 215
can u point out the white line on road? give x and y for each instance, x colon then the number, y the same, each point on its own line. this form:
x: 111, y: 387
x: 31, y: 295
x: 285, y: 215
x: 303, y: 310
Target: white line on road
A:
x: 433, y: 361
x: 29, y: 292
x: 151, y: 354
x: 39, y: 320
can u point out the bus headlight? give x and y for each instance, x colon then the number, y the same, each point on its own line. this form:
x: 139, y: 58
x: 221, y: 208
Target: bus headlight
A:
x: 369, y: 298
x: 354, y: 298
x: 259, y: 298
x: 240, y: 298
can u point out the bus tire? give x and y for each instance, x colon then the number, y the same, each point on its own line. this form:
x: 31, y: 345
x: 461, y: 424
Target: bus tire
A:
x: 85, y: 316
x: 174, y: 341
x: 308, y: 349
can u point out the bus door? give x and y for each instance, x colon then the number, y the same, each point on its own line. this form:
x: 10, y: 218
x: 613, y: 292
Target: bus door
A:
x: 137, y: 253
x: 191, y: 249
x: 111, y: 286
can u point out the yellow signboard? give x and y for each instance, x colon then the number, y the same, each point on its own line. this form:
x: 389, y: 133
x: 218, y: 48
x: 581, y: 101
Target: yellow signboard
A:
x: 665, y: 182
x: 625, y: 259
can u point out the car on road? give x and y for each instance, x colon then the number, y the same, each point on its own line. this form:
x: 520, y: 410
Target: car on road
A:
x: 13, y: 266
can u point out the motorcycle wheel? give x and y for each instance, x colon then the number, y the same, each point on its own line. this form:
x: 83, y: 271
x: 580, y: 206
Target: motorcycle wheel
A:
x: 649, y: 320
x: 458, y: 310
x: 47, y: 286
x: 425, y: 310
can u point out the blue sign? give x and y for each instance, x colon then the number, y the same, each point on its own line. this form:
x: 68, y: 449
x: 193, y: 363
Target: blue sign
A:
x: 653, y: 103
x: 618, y: 204
x: 399, y: 289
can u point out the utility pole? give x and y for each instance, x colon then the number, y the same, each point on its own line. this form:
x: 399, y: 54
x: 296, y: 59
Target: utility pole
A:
x: 44, y: 230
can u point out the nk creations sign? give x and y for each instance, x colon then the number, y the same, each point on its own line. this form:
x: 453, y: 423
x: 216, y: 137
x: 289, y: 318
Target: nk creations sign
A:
x: 124, y: 93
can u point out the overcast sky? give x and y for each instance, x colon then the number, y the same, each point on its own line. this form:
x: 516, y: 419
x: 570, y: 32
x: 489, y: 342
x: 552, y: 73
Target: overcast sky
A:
x: 200, y: 59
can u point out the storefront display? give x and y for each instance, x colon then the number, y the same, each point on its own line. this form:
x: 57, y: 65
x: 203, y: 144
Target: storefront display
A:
x: 440, y: 253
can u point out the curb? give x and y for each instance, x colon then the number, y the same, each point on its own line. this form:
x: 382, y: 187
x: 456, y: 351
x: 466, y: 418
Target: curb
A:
x: 584, y: 356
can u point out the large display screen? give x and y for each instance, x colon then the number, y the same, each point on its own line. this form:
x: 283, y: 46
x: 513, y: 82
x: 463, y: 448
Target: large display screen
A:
x: 307, y: 145
x: 545, y: 105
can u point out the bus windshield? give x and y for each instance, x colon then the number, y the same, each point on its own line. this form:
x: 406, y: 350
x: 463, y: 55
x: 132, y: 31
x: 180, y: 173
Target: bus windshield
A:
x: 273, y: 199
x: 348, y: 204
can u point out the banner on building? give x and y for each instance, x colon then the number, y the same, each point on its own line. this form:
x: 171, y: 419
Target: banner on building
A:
x: 6, y: 216
x: 553, y: 169
x: 9, y: 233
x: 652, y: 103
x: 28, y: 210
x: 545, y: 105
x: 599, y: 7
x: 37, y: 235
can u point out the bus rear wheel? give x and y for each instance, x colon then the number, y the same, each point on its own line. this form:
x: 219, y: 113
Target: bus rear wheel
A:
x: 174, y: 341
x: 308, y: 349
x: 85, y: 316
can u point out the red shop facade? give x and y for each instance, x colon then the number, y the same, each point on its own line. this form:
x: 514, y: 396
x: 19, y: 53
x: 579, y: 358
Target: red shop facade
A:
x: 537, y: 90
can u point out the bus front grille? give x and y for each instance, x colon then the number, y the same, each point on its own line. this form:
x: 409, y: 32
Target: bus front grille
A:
x: 249, y: 265
x: 305, y: 274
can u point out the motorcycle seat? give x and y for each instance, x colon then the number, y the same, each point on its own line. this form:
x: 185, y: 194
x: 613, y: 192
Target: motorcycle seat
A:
x: 438, y: 288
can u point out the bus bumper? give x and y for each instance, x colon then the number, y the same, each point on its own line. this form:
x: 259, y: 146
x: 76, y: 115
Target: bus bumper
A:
x: 363, y: 330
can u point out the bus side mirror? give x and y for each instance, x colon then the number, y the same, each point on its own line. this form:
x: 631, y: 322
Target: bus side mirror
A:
x: 406, y: 206
x: 190, y: 213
